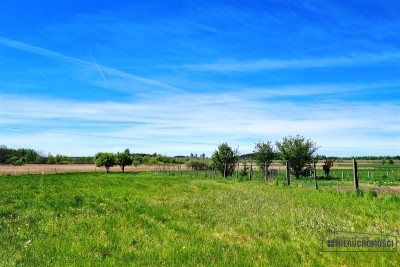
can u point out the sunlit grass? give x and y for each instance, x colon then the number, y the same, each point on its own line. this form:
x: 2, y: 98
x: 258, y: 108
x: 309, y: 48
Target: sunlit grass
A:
x: 155, y: 219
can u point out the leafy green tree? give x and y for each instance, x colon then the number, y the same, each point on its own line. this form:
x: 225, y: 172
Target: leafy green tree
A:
x: 299, y: 152
x: 153, y: 161
x: 30, y: 155
x: 51, y: 159
x: 225, y: 156
x: 263, y: 154
x: 123, y: 159
x: 16, y: 161
x: 137, y: 160
x: 6, y: 154
x: 105, y: 159
x: 40, y: 160
x: 145, y: 159
x: 196, y: 164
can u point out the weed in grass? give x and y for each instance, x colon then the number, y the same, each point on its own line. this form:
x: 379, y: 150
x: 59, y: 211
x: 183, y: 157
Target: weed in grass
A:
x: 369, y: 193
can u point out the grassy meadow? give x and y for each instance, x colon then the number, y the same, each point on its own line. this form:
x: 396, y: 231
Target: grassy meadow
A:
x: 143, y: 218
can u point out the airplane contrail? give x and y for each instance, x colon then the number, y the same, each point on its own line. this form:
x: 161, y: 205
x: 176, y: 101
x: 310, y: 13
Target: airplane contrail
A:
x: 98, y: 67
x: 115, y: 72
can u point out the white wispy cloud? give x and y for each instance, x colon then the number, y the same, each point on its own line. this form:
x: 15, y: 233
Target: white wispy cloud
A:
x: 265, y: 64
x: 239, y: 121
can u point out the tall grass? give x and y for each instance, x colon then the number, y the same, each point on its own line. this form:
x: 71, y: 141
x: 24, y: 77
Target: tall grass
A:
x: 154, y: 219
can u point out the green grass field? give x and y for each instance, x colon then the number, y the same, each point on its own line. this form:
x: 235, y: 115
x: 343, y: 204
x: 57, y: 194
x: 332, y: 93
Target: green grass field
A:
x: 155, y: 219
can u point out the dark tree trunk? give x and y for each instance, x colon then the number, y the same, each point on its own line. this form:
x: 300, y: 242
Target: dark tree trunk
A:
x: 123, y: 169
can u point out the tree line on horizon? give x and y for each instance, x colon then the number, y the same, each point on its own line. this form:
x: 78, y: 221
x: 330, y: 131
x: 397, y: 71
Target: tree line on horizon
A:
x: 29, y: 156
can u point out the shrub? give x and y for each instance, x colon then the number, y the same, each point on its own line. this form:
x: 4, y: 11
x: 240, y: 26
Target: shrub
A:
x: 263, y: 154
x: 327, y: 167
x: 197, y: 164
x: 225, y: 159
x: 370, y: 193
x: 299, y: 152
x: 16, y: 161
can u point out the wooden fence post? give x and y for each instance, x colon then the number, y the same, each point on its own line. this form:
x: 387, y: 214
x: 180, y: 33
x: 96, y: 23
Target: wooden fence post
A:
x: 287, y: 172
x: 251, y: 171
x: 191, y: 172
x: 266, y: 172
x: 315, y: 176
x: 225, y: 170
x: 355, y: 174
x: 205, y: 171
x: 237, y: 170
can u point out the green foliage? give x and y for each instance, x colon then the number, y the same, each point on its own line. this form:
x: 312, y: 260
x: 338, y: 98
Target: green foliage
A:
x: 369, y: 193
x: 155, y: 159
x: 6, y: 154
x: 245, y: 168
x: 123, y: 159
x: 359, y: 192
x: 390, y: 161
x: 197, y: 164
x: 17, y: 156
x: 105, y: 159
x: 30, y: 156
x: 81, y: 160
x: 16, y: 161
x: 263, y: 154
x: 40, y: 160
x: 225, y: 156
x: 51, y: 160
x: 137, y: 160
x: 299, y: 152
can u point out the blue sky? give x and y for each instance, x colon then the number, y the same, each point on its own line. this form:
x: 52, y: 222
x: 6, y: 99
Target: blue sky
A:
x: 176, y: 77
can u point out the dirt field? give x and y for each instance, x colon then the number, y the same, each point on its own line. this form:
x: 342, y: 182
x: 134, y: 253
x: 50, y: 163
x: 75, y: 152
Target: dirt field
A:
x: 59, y: 168
x: 53, y: 168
